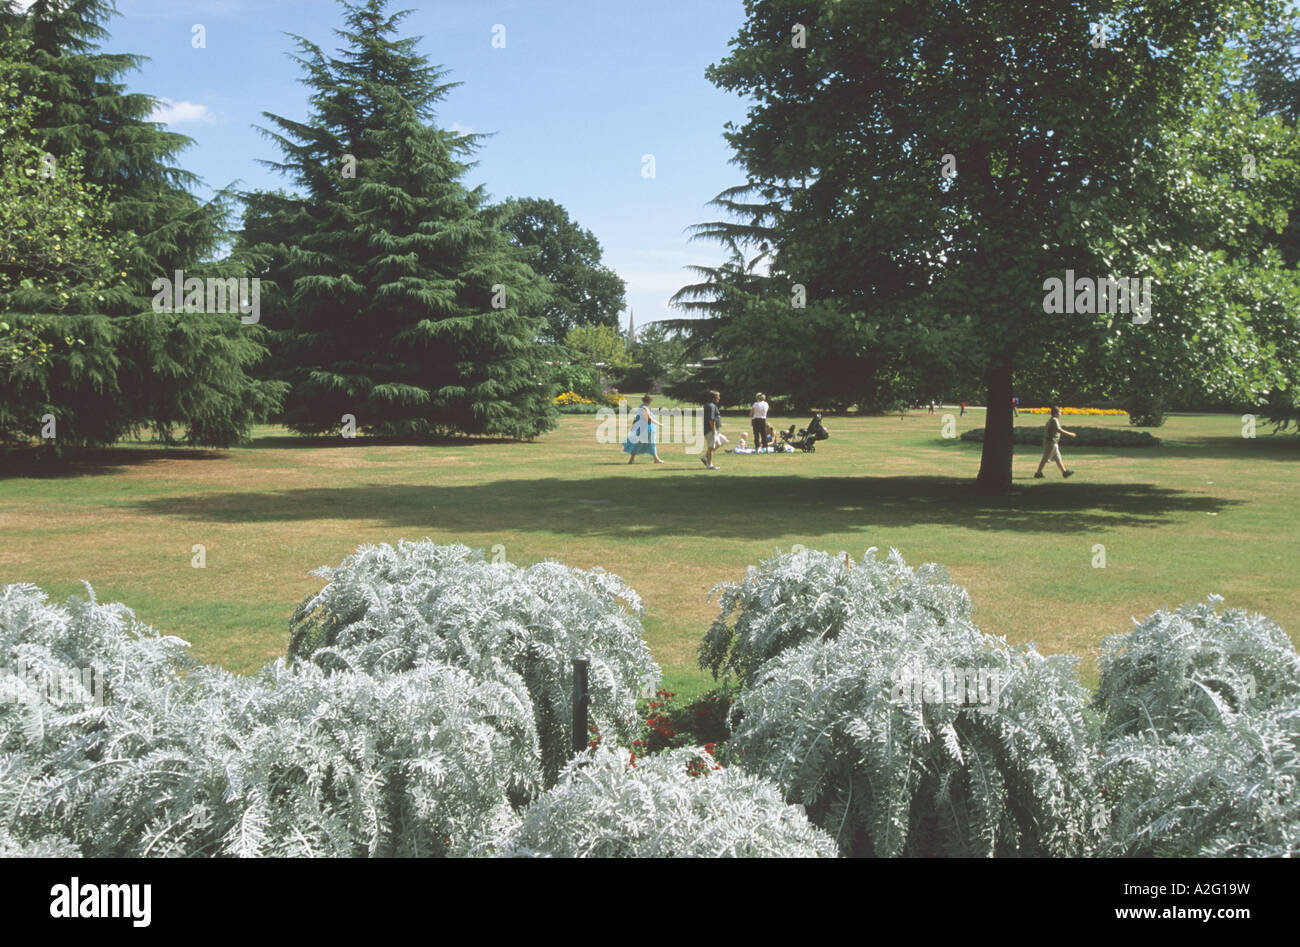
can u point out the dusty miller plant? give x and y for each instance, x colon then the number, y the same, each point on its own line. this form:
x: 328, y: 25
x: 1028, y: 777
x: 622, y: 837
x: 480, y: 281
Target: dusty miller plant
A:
x: 1203, y: 713
x: 890, y: 767
x: 675, y: 804
x: 1233, y: 790
x: 1180, y: 671
x: 185, y: 760
x: 811, y: 594
x: 388, y: 609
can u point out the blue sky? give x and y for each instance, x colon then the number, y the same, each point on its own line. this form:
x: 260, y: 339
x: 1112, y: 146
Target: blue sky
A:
x: 580, y: 92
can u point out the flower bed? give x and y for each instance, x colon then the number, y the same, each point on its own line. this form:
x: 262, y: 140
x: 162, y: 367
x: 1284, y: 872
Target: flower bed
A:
x: 570, y: 402
x: 1108, y: 412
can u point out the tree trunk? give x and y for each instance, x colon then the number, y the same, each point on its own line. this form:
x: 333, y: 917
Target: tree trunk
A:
x: 995, y: 462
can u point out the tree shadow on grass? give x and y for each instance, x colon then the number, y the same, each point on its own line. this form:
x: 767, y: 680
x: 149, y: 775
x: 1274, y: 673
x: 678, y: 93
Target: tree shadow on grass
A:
x: 38, y: 462
x: 1233, y: 448
x: 304, y: 442
x: 93, y: 461
x: 702, y: 505
x: 1284, y: 449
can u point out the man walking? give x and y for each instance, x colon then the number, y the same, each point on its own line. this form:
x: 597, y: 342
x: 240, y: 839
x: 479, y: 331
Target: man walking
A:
x: 712, y: 422
x: 1052, y: 444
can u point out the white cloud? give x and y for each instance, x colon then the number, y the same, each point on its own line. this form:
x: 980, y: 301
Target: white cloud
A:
x: 181, y: 113
x: 461, y: 130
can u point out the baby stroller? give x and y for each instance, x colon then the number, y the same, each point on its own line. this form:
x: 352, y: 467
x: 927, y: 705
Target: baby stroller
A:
x: 808, y: 437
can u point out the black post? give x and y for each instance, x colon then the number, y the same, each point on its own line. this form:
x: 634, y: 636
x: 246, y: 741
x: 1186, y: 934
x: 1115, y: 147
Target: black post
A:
x: 580, y: 701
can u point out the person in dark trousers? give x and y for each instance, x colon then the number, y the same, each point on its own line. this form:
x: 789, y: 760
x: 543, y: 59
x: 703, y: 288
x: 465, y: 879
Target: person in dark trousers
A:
x: 712, y: 426
x: 758, y: 418
x: 963, y: 409
x: 1052, y: 444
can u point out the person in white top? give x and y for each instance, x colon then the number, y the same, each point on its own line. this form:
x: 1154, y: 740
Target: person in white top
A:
x: 758, y: 418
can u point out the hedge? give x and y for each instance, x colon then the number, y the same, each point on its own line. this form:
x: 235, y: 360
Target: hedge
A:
x: 1087, y: 437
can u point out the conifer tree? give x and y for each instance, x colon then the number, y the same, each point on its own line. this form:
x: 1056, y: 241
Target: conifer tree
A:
x: 90, y: 213
x: 85, y: 110
x: 405, y: 306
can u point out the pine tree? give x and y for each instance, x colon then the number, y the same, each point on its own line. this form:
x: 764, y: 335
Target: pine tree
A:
x: 90, y: 212
x: 84, y: 109
x: 405, y: 304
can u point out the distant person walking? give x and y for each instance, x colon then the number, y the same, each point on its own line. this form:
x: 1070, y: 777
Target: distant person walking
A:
x: 758, y: 418
x: 932, y: 406
x: 1052, y: 444
x: 963, y: 409
x: 1015, y: 406
x: 643, y: 438
x: 712, y: 429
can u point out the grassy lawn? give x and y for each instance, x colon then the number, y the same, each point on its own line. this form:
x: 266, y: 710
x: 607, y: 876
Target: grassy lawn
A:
x: 1209, y: 511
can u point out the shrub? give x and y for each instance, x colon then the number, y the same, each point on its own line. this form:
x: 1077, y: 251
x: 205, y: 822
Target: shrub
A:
x: 580, y: 379
x: 606, y: 806
x: 1145, y: 409
x: 388, y: 609
x: 1204, y: 713
x: 1230, y: 791
x: 832, y: 716
x: 808, y: 594
x: 1086, y: 436
x: 45, y: 848
x: 415, y: 763
x: 894, y: 776
x: 1182, y: 671
x: 184, y: 760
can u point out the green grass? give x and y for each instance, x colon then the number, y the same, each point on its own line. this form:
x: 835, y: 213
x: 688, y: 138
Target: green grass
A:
x: 1208, y: 511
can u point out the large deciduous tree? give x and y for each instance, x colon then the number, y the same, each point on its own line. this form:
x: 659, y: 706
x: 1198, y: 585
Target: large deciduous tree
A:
x: 933, y: 164
x: 585, y: 291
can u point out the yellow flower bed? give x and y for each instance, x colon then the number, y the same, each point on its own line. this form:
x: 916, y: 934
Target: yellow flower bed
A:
x: 1113, y: 412
x: 571, y: 397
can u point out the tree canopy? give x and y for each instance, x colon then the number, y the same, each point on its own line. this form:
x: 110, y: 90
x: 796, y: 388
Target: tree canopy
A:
x: 928, y: 169
x: 585, y: 291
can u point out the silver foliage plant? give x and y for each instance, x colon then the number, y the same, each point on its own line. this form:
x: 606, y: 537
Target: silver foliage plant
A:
x: 1181, y: 671
x: 1232, y: 790
x: 386, y: 609
x: 416, y: 715
x: 1203, y: 713
x: 186, y: 760
x: 800, y: 595
x: 835, y: 716
x: 675, y: 804
x: 58, y: 743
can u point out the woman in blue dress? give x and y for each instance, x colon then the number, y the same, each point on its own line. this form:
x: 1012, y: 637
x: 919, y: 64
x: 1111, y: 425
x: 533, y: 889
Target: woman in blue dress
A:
x: 644, y: 436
